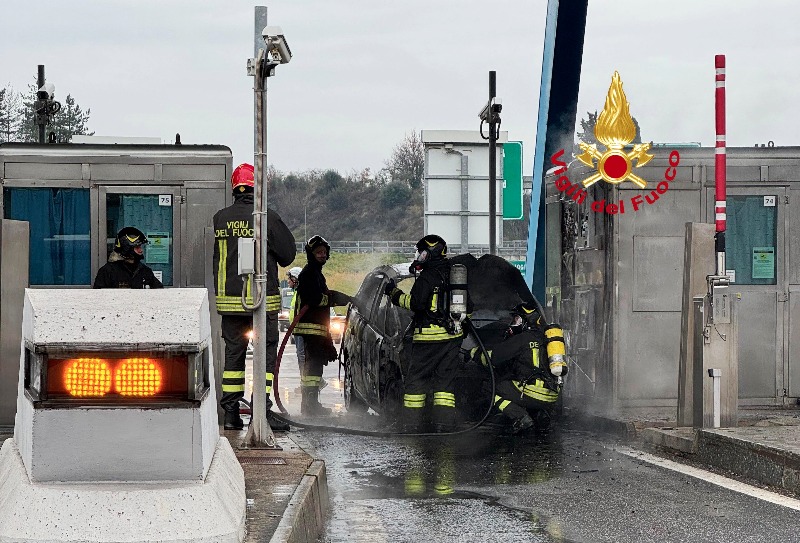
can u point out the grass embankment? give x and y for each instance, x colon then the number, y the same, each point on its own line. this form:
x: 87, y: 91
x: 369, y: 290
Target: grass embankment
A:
x: 345, y: 272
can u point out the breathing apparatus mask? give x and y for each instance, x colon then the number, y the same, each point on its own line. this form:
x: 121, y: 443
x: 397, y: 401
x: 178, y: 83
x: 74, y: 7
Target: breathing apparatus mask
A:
x: 429, y: 249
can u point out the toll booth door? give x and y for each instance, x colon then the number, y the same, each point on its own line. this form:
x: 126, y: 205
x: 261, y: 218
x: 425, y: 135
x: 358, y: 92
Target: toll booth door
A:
x: 153, y: 210
x: 755, y: 253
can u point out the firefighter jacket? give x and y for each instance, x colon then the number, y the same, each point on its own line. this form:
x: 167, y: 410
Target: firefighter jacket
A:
x: 313, y: 291
x: 427, y: 300
x: 117, y: 273
x: 522, y: 359
x: 232, y: 223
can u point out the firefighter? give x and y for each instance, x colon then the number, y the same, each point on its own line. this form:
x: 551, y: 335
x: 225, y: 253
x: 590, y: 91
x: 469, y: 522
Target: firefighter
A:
x: 530, y: 363
x: 124, y: 268
x: 313, y: 328
x: 230, y: 224
x: 435, y: 345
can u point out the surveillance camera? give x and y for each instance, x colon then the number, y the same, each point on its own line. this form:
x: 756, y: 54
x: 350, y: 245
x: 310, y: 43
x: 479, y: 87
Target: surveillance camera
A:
x: 496, y: 106
x: 276, y: 44
x: 47, y: 92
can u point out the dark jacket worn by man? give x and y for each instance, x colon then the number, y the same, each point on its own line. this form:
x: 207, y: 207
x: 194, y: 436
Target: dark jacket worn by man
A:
x: 124, y: 268
x: 230, y: 224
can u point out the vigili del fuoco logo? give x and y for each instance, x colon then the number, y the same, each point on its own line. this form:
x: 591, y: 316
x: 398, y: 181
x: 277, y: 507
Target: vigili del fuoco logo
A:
x: 615, y: 130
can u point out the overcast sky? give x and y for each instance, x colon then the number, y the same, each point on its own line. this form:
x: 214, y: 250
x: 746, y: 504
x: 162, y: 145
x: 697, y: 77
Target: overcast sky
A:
x: 364, y: 72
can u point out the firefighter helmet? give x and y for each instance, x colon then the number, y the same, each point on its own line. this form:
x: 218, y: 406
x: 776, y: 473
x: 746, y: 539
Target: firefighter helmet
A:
x: 431, y: 247
x: 529, y: 314
x: 317, y: 241
x: 242, y: 177
x: 294, y: 273
x: 127, y: 240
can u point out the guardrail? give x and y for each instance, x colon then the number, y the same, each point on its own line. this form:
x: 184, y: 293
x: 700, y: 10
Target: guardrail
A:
x: 509, y: 249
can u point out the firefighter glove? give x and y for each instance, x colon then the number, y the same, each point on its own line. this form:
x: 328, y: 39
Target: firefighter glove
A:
x: 389, y: 288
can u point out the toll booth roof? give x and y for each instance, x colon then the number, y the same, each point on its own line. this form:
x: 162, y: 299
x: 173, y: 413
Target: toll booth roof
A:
x: 105, y: 318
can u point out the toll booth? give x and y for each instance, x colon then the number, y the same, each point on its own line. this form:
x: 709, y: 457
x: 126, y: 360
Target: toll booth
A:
x: 615, y: 275
x: 76, y: 197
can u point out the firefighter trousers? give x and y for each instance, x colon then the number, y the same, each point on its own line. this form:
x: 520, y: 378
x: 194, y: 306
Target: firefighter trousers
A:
x: 433, y: 370
x: 234, y: 333
x: 515, y: 405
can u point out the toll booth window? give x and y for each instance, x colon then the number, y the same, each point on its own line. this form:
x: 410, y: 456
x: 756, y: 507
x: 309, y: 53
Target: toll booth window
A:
x: 145, y: 212
x: 751, y: 239
x: 60, y: 248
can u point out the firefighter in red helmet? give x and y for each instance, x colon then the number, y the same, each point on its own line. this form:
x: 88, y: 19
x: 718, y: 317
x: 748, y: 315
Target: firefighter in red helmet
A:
x: 230, y: 224
x: 314, y: 325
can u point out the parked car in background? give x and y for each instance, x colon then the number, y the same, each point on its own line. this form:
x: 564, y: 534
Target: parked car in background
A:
x: 286, y: 304
x: 378, y: 337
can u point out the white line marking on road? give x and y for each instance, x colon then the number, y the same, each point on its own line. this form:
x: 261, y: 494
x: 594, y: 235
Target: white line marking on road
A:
x: 712, y: 478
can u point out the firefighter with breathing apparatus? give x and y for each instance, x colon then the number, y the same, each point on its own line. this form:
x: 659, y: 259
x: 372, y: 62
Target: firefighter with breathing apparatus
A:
x: 530, y: 364
x: 437, y: 337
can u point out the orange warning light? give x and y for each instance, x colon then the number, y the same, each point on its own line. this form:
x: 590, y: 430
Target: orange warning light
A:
x: 87, y: 377
x: 137, y: 377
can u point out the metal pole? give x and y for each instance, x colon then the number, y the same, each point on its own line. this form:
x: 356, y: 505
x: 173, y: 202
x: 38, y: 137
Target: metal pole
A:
x: 259, y: 434
x: 40, y: 83
x: 492, y: 166
x: 720, y: 160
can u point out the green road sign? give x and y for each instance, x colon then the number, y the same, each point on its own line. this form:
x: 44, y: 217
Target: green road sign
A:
x: 519, y: 264
x: 512, y: 180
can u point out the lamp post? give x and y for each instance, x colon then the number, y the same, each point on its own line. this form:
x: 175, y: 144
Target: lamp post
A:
x: 259, y: 433
x: 490, y: 114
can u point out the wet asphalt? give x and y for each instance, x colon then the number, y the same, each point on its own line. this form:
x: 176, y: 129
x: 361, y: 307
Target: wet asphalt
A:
x: 566, y: 486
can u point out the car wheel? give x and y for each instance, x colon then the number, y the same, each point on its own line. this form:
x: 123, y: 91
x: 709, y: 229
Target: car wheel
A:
x: 352, y: 402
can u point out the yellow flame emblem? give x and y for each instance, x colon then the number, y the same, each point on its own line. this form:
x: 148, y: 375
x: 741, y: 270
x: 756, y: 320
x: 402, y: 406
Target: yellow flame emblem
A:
x: 615, y: 130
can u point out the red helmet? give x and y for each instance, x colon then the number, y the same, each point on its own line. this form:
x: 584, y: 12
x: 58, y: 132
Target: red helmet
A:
x: 242, y: 176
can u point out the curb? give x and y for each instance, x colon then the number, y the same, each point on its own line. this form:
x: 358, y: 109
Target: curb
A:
x: 758, y: 461
x: 596, y: 423
x: 304, y: 518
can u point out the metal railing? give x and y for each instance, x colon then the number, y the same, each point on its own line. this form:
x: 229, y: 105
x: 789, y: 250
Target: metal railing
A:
x: 509, y: 249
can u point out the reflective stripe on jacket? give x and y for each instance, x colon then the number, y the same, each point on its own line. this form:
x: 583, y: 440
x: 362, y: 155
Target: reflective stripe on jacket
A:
x: 230, y: 224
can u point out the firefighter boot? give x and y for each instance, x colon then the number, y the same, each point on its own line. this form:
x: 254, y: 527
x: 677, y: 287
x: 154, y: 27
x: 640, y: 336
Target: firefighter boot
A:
x: 412, y: 421
x: 309, y: 403
x: 233, y: 421
x: 444, y: 419
x: 274, y: 423
x: 521, y: 424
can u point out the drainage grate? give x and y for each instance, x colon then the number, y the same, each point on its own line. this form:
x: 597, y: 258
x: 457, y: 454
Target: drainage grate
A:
x: 262, y: 460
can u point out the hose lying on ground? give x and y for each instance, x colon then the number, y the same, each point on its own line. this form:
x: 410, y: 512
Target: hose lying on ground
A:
x: 342, y: 430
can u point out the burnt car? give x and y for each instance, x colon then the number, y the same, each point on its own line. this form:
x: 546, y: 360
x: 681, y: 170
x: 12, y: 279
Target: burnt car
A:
x: 377, y: 341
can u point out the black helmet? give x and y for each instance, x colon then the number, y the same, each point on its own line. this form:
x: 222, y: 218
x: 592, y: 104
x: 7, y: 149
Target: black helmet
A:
x: 529, y: 313
x: 314, y: 242
x: 127, y: 240
x: 431, y: 247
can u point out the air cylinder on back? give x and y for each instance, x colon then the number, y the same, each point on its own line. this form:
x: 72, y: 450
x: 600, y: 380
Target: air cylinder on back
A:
x: 458, y: 295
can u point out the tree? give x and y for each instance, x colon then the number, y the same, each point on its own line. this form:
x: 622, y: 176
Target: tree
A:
x: 27, y: 129
x: 9, y: 114
x: 70, y: 121
x: 407, y: 163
